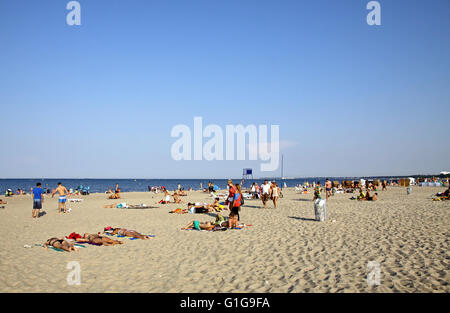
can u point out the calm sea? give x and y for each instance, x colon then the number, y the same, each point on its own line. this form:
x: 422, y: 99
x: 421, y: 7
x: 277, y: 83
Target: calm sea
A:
x: 127, y: 185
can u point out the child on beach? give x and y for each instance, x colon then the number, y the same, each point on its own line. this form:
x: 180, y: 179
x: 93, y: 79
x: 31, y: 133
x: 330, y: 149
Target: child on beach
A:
x: 317, y: 191
x: 38, y: 199
x: 237, y: 200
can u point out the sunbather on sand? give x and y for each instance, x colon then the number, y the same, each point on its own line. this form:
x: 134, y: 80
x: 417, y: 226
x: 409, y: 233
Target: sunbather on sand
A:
x: 60, y: 244
x: 219, y: 222
x: 3, y: 202
x: 125, y: 232
x: 110, y: 206
x: 122, y: 205
x: 216, y: 205
x: 200, y: 225
x: 205, y: 208
x: 98, y: 240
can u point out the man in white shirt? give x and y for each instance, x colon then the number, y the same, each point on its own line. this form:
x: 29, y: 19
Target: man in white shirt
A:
x: 265, y: 193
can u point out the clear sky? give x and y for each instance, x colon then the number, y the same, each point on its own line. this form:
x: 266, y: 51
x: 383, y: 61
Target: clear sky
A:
x: 99, y: 100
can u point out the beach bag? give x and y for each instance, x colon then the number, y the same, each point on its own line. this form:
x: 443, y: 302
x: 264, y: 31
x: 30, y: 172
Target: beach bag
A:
x: 239, y: 201
x: 320, y: 209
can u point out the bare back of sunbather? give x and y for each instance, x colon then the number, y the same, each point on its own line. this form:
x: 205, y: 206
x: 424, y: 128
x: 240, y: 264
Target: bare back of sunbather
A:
x: 129, y: 233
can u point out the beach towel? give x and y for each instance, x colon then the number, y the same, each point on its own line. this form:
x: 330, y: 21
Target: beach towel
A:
x: 140, y: 206
x: 179, y: 211
x: 76, y: 200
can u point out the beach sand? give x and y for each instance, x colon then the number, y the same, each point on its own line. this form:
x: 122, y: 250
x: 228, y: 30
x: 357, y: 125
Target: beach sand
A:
x: 283, y: 251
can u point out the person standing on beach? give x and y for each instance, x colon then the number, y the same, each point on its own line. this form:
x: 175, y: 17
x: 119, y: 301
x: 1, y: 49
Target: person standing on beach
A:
x: 328, y: 188
x: 38, y: 199
x: 265, y: 193
x: 231, y: 193
x: 62, y: 191
x: 236, y: 204
x: 317, y: 191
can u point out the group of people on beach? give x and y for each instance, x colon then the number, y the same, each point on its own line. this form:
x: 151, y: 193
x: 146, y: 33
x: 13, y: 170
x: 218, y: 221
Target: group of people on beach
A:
x: 266, y: 192
x: 38, y: 198
x: 69, y: 242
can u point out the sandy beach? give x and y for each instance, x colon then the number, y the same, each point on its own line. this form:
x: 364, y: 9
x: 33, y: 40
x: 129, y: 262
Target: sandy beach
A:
x: 284, y: 250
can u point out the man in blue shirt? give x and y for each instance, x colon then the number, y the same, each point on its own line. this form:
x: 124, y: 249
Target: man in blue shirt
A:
x: 38, y: 198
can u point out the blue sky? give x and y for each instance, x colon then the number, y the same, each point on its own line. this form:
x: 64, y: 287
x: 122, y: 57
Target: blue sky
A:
x: 99, y: 100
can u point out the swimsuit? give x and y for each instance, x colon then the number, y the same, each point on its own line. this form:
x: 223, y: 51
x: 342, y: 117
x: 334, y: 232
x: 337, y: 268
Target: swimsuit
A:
x: 197, y: 225
x: 62, y: 199
x: 37, y: 204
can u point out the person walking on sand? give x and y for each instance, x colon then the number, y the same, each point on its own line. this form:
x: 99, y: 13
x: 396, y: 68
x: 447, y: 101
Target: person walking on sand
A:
x: 275, y: 192
x: 38, y: 199
x: 62, y: 191
x: 265, y: 193
x: 328, y: 188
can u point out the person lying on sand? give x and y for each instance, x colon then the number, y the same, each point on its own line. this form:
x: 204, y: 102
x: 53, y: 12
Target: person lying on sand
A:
x: 3, y: 202
x: 205, y: 208
x: 216, y: 205
x: 98, y: 240
x: 200, y: 225
x: 125, y: 232
x: 123, y: 205
x: 61, y: 244
x: 219, y: 222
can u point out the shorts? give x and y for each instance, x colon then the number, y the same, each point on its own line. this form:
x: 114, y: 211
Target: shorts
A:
x: 62, y: 199
x: 328, y: 189
x: 265, y: 197
x: 197, y: 225
x: 37, y: 204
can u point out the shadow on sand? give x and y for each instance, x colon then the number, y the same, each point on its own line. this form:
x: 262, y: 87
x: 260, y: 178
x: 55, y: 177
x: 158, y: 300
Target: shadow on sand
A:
x: 303, y: 218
